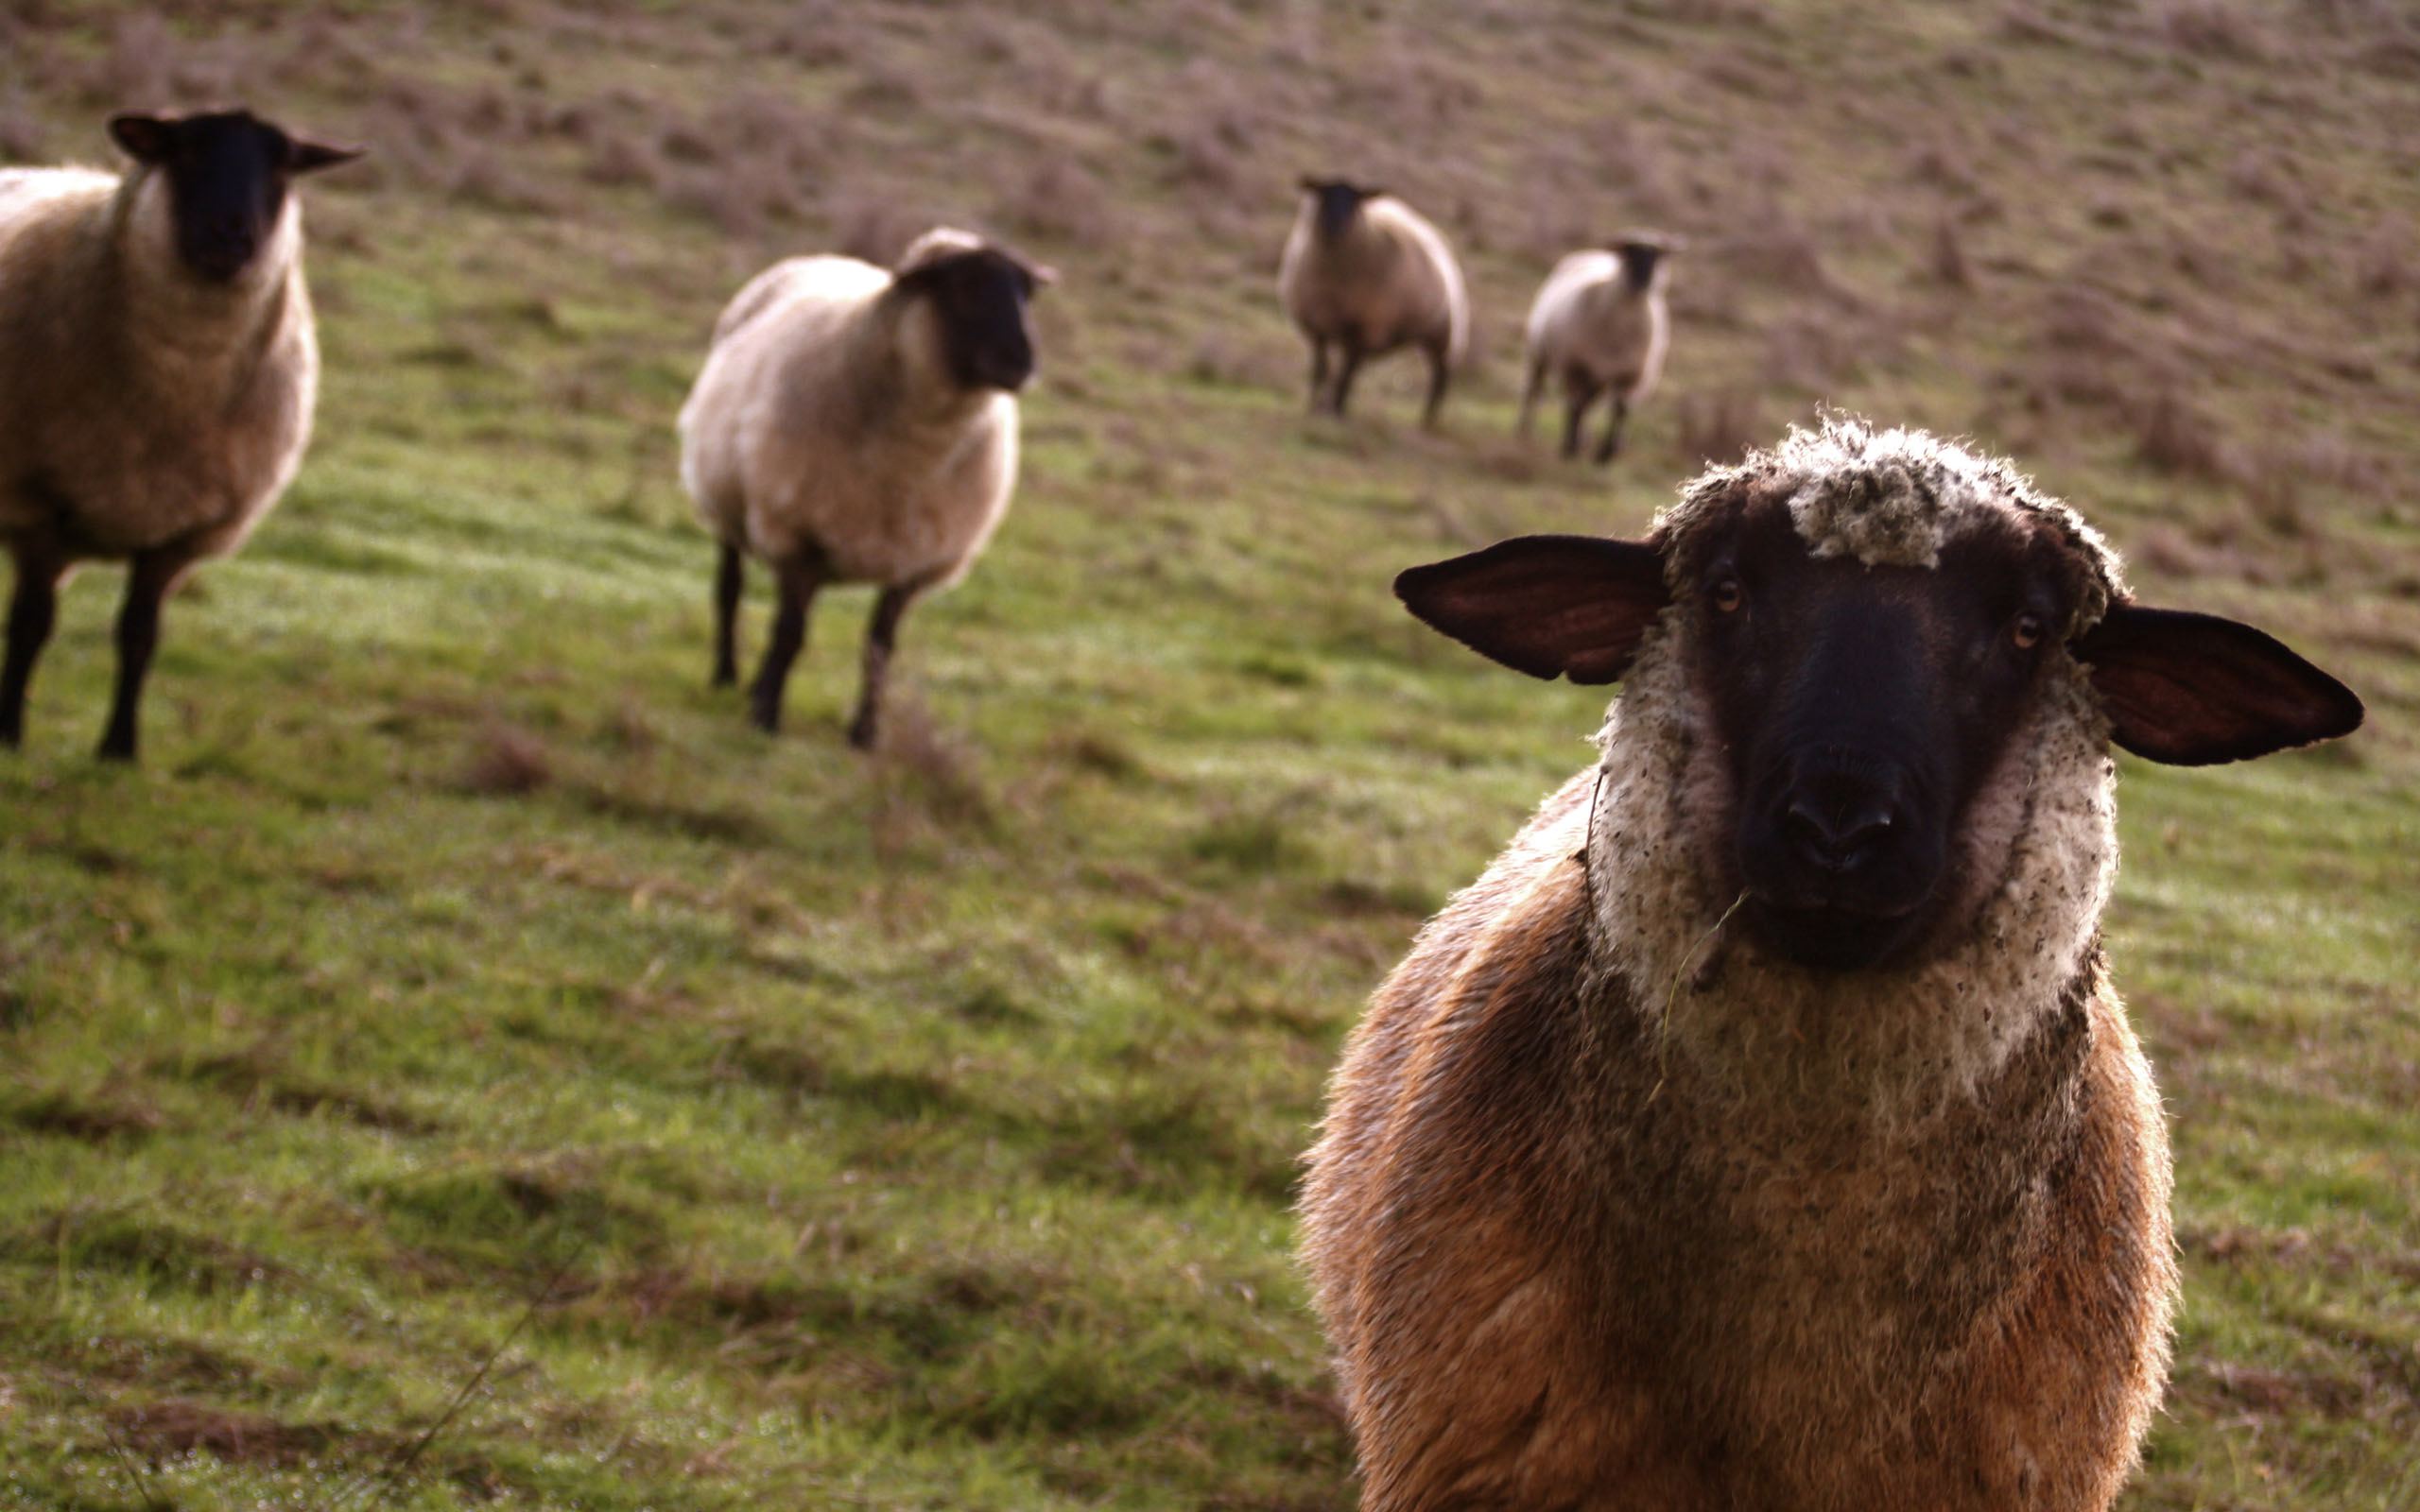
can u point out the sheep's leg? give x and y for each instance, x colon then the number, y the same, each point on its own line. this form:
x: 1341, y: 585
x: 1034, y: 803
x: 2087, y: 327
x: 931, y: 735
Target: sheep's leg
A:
x: 797, y: 577
x: 1583, y: 391
x: 1319, y: 372
x: 33, y: 608
x: 729, y: 581
x: 1345, y: 375
x: 882, y: 634
x: 148, y: 579
x: 1529, y: 389
x: 1612, y: 445
x: 1440, y: 374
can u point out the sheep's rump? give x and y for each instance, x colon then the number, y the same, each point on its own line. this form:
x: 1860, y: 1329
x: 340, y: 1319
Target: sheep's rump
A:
x: 1583, y: 317
x: 1391, y: 280
x: 805, y: 431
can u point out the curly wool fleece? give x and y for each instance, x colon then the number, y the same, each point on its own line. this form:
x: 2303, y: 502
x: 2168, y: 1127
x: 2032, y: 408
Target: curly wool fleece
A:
x: 2038, y: 851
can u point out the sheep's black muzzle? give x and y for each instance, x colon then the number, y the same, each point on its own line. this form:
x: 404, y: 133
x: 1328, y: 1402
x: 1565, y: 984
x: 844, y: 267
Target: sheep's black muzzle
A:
x: 1846, y: 814
x: 1840, y: 854
x: 219, y: 254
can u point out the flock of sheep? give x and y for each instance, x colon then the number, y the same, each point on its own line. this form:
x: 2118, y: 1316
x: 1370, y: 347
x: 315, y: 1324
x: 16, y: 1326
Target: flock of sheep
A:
x: 853, y: 423
x: 1762, y: 1129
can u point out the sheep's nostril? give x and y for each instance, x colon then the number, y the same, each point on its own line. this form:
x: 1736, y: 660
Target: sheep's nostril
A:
x: 1837, y: 832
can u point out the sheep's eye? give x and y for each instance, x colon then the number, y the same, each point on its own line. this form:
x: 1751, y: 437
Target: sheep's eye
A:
x: 1729, y: 595
x: 2028, y: 631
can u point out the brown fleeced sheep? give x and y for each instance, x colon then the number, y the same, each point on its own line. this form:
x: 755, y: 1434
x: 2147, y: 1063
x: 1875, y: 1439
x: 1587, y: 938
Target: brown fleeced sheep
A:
x: 1366, y: 273
x: 158, y: 368
x: 856, y: 426
x: 1763, y: 1130
x: 1599, y: 322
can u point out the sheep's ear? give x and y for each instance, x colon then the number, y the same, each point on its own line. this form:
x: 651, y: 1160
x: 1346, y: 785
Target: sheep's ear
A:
x: 144, y: 138
x: 1549, y: 606
x: 1310, y: 183
x: 310, y: 156
x: 2193, y: 690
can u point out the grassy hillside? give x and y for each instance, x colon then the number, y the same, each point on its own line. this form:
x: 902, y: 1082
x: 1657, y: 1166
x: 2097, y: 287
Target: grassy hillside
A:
x: 459, y: 981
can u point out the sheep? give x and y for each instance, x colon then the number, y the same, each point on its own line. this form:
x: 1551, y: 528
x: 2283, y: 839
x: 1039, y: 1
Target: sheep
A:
x: 1600, y: 321
x: 856, y: 426
x: 1763, y: 1129
x: 1367, y: 272
x: 158, y: 371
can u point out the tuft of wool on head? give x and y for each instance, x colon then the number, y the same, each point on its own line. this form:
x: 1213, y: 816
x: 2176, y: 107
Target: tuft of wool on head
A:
x: 1890, y: 497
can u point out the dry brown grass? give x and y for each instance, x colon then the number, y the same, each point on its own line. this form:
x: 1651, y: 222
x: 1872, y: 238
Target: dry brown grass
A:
x: 1716, y: 428
x: 2175, y: 436
x: 505, y: 759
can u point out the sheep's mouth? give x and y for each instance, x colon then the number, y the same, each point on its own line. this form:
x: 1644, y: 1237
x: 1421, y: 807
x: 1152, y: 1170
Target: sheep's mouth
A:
x: 1832, y: 936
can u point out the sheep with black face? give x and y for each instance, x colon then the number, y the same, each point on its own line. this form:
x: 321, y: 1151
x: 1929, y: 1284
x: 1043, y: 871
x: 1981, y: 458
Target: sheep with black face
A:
x: 1365, y: 273
x: 854, y: 424
x: 158, y: 371
x: 1601, y: 325
x: 1763, y: 1129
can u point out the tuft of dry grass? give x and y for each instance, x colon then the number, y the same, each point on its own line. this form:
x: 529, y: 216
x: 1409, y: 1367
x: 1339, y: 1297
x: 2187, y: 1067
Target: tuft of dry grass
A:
x: 2172, y: 435
x: 874, y: 225
x: 2216, y: 29
x: 1716, y: 428
x: 1060, y: 201
x: 505, y: 759
x: 1949, y: 265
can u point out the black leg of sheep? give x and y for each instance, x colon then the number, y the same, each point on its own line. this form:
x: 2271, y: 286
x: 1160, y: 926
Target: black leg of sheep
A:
x: 1611, y: 446
x: 32, y: 609
x: 1440, y: 374
x: 798, y: 578
x: 729, y: 581
x: 148, y: 579
x: 1582, y: 393
x: 1319, y: 373
x: 882, y: 636
x: 1346, y: 374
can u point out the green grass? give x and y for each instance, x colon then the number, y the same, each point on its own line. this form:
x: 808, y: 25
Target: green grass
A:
x: 459, y: 972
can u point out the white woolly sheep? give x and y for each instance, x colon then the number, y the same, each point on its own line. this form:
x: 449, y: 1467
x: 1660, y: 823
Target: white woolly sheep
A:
x: 1600, y: 321
x: 1763, y: 1129
x: 1367, y: 272
x: 158, y: 368
x: 854, y: 425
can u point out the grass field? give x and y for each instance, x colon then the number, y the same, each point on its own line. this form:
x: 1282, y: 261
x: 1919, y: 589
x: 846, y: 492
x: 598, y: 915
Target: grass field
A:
x: 459, y: 980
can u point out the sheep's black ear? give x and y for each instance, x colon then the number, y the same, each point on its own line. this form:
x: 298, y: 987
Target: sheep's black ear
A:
x: 144, y: 138
x: 2193, y: 690
x: 310, y: 156
x: 1549, y: 606
x: 1312, y: 183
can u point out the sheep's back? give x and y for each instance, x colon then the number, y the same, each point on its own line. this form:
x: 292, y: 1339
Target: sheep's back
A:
x: 801, y: 434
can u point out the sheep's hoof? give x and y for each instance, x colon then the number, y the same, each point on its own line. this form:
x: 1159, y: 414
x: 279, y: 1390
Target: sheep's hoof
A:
x: 862, y: 733
x: 114, y: 750
x: 765, y: 718
x: 724, y: 678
